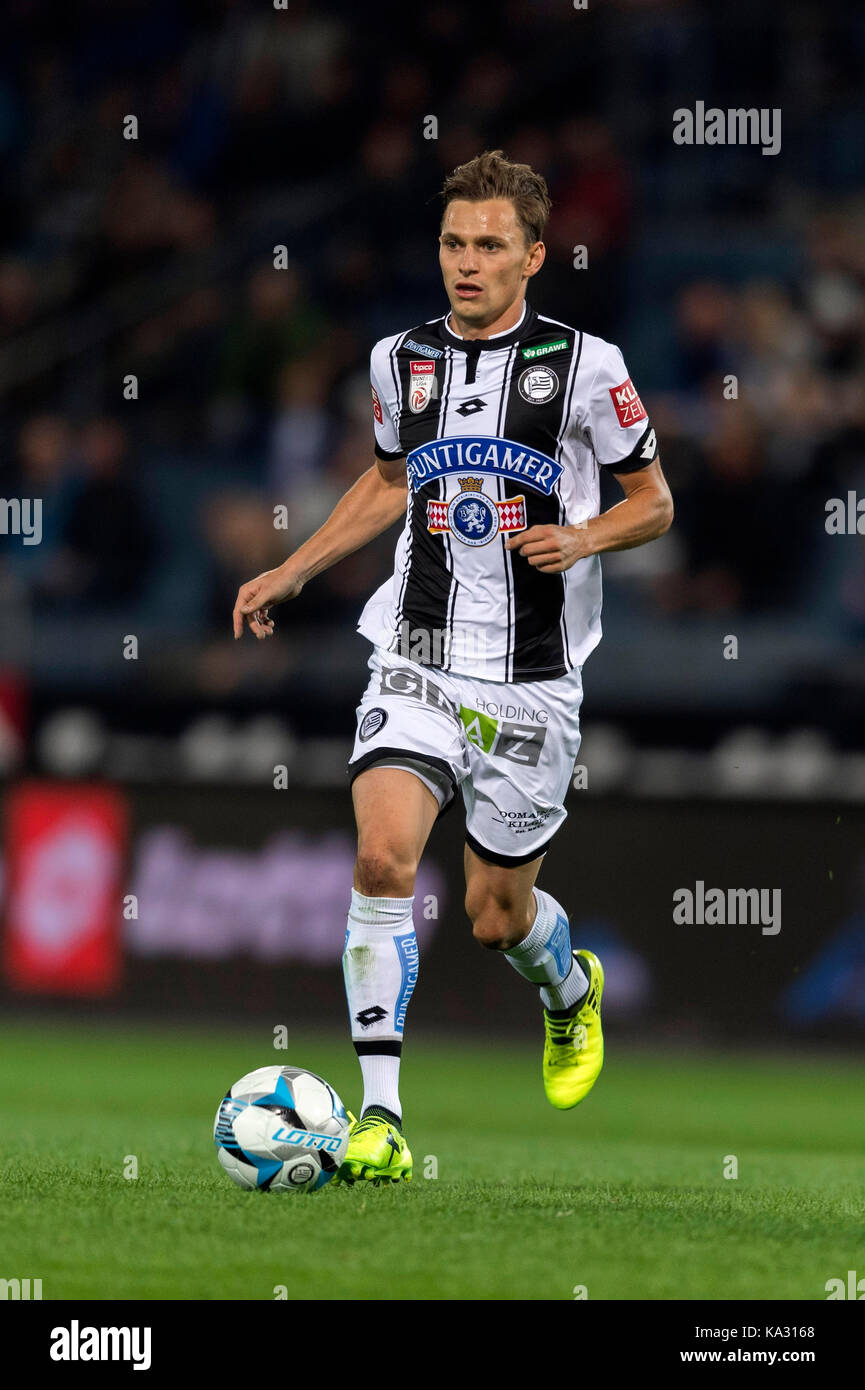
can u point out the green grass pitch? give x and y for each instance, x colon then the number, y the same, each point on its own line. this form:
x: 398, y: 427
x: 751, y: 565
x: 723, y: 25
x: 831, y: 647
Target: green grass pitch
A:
x: 624, y: 1195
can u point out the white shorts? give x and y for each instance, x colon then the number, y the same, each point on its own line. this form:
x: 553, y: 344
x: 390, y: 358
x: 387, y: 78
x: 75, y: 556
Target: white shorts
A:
x: 510, y: 749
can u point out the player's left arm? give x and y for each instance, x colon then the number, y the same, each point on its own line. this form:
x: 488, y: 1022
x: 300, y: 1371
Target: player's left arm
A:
x: 613, y: 422
x: 645, y: 512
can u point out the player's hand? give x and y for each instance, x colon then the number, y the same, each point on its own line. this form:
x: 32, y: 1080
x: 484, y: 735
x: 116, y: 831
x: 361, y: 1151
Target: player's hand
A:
x: 260, y: 594
x: 552, y: 549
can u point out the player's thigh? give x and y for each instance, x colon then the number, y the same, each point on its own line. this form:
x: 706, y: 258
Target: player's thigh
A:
x: 395, y: 813
x: 499, y: 899
x: 408, y: 760
x: 521, y: 761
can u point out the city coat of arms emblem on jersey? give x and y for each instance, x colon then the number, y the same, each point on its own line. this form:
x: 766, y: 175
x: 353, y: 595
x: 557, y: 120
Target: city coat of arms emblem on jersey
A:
x: 422, y: 386
x: 474, y: 518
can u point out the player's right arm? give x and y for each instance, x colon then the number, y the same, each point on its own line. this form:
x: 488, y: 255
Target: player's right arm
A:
x: 374, y: 503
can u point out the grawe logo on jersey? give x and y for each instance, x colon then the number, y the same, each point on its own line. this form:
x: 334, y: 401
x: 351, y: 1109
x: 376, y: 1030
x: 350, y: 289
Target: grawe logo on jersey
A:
x: 422, y: 389
x: 530, y: 353
x: 376, y: 406
x: 629, y: 407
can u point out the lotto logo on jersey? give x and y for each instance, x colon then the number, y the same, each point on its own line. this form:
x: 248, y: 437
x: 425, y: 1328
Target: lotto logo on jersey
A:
x: 422, y: 385
x: 629, y: 407
x: 376, y: 406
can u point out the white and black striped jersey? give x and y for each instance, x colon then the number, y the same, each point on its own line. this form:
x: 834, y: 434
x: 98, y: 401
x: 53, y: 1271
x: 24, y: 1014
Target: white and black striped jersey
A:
x: 499, y: 434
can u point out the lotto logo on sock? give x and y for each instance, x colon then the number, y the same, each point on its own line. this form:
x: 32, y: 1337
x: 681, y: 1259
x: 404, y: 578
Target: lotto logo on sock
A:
x: 374, y: 1014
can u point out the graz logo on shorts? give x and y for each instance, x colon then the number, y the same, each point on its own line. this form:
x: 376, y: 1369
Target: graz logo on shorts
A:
x: 538, y: 385
x: 475, y: 518
x: 372, y: 722
x: 401, y: 680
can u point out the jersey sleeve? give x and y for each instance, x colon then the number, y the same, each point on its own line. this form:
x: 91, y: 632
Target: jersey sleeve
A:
x: 385, y: 402
x: 616, y: 424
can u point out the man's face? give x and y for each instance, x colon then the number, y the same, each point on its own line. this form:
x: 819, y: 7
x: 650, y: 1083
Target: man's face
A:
x: 485, y: 260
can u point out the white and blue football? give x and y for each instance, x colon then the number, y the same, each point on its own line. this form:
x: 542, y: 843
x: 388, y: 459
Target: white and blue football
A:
x: 281, y: 1129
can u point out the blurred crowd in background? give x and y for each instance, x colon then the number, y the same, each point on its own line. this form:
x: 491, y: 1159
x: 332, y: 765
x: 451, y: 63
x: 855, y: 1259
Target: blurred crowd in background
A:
x: 734, y: 283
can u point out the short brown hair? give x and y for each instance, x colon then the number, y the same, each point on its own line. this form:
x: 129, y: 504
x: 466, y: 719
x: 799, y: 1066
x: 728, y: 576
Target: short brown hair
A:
x: 491, y: 175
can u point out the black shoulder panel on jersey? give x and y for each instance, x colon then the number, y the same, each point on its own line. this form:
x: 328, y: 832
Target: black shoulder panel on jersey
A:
x: 543, y: 337
x: 643, y: 455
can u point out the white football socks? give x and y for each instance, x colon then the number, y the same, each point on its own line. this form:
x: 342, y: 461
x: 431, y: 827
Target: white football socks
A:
x: 545, y: 958
x: 380, y: 968
x: 380, y: 1082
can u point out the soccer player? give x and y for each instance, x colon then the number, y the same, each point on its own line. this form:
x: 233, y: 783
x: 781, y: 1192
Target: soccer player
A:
x: 491, y: 426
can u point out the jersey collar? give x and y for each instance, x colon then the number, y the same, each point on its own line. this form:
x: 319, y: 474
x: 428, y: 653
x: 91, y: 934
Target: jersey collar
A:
x: 501, y: 340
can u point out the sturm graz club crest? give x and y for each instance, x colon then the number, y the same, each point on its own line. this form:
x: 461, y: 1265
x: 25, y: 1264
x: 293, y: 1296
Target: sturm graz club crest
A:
x: 374, y: 720
x: 538, y: 385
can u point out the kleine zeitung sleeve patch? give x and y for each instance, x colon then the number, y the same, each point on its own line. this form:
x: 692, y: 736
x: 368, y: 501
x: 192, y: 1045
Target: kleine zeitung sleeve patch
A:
x: 629, y: 408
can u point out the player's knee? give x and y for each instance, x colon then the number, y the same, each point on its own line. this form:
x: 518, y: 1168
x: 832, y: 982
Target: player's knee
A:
x: 496, y: 925
x: 384, y: 871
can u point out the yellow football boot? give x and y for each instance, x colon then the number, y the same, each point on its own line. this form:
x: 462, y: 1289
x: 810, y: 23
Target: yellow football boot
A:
x: 574, y: 1046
